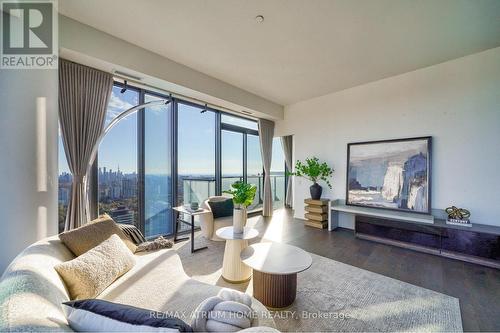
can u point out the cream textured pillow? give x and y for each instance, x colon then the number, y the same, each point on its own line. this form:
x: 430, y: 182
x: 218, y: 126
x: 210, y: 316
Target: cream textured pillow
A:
x: 89, y: 274
x: 86, y: 237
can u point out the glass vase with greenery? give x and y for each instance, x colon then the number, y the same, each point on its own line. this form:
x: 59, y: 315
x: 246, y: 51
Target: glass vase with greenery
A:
x: 314, y: 170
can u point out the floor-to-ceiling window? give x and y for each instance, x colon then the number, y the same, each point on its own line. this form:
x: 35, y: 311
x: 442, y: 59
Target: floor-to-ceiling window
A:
x: 199, y: 150
x: 157, y: 168
x: 117, y: 161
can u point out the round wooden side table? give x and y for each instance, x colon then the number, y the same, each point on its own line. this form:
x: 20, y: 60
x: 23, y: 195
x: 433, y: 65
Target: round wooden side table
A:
x: 275, y: 267
x: 233, y: 270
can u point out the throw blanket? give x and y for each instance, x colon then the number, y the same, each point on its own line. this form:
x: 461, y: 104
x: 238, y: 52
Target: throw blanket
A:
x: 137, y: 237
x: 229, y: 311
x: 133, y: 233
x: 158, y: 243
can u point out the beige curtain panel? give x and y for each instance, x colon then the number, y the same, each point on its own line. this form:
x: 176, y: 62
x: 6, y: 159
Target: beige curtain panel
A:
x: 287, y: 144
x: 266, y: 133
x: 84, y: 93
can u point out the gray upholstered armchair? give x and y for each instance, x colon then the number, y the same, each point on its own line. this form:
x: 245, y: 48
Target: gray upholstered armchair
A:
x: 208, y: 224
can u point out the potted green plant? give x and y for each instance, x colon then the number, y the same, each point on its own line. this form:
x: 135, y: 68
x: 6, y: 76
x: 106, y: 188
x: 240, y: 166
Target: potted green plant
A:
x: 313, y: 170
x: 243, y: 195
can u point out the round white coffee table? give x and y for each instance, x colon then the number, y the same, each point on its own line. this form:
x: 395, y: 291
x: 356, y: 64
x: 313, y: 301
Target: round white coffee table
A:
x: 275, y: 267
x: 233, y: 270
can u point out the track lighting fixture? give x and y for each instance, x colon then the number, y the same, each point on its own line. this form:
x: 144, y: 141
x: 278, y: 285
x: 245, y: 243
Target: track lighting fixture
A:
x: 204, y: 110
x: 170, y: 98
x: 124, y: 87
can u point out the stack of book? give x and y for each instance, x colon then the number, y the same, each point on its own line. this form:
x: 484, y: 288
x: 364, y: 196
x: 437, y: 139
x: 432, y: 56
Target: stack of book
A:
x: 316, y: 213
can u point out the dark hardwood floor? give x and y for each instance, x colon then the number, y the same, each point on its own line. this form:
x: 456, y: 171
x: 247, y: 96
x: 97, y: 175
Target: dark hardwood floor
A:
x: 477, y: 287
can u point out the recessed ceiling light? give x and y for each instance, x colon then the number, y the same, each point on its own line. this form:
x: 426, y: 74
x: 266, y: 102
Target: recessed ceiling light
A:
x: 259, y: 18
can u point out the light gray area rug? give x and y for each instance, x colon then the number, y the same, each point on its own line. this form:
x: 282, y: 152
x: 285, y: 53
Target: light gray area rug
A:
x: 332, y: 296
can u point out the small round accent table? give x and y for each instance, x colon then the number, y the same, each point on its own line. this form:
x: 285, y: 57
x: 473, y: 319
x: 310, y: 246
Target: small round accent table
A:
x: 275, y: 267
x: 233, y: 270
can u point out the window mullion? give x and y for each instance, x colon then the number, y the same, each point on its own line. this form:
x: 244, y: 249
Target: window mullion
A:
x: 141, y: 123
x: 245, y: 157
x: 218, y: 154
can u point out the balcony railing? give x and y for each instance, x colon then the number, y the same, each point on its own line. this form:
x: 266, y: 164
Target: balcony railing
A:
x: 198, y: 189
x: 191, y: 189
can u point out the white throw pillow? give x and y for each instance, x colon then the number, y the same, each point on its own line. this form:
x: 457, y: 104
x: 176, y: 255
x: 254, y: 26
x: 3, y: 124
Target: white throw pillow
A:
x: 89, y: 274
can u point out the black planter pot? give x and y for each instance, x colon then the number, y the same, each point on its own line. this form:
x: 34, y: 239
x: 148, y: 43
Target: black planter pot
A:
x: 316, y: 191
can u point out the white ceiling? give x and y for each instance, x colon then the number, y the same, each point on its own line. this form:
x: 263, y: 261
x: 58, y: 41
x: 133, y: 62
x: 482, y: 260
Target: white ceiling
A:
x: 304, y: 48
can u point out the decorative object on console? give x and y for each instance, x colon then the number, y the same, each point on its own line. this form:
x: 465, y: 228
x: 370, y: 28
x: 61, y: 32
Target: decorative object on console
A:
x: 314, y: 171
x: 243, y: 195
x: 390, y: 174
x: 97, y: 315
x: 194, y: 205
x: 316, y: 213
x: 458, y: 216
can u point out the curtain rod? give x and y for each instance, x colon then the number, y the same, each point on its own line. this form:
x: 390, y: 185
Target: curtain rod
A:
x: 187, y: 98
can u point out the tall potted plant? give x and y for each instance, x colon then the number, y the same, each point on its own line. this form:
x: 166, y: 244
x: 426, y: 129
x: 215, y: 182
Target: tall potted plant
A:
x: 314, y: 171
x: 243, y: 195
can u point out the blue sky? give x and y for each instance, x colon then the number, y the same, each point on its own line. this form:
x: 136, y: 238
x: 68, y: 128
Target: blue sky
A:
x: 196, y: 138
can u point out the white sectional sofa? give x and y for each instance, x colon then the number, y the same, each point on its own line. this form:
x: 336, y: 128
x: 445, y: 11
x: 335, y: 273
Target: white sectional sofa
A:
x: 31, y: 291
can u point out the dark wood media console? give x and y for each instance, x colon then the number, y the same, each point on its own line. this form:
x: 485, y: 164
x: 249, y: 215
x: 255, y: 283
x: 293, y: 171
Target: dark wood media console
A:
x: 479, y: 244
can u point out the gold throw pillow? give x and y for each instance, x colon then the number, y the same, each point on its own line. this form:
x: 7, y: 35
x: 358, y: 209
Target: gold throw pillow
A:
x: 86, y: 237
x: 89, y: 274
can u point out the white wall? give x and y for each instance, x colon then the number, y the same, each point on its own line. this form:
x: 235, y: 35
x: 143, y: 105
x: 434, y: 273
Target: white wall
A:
x: 28, y: 170
x: 456, y: 102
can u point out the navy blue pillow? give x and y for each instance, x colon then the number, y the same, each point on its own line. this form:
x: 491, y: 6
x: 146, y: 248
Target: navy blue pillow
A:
x: 94, y: 315
x: 221, y: 208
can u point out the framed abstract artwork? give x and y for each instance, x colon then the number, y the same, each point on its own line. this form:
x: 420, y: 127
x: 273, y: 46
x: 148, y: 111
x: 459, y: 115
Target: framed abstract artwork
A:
x: 390, y: 174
